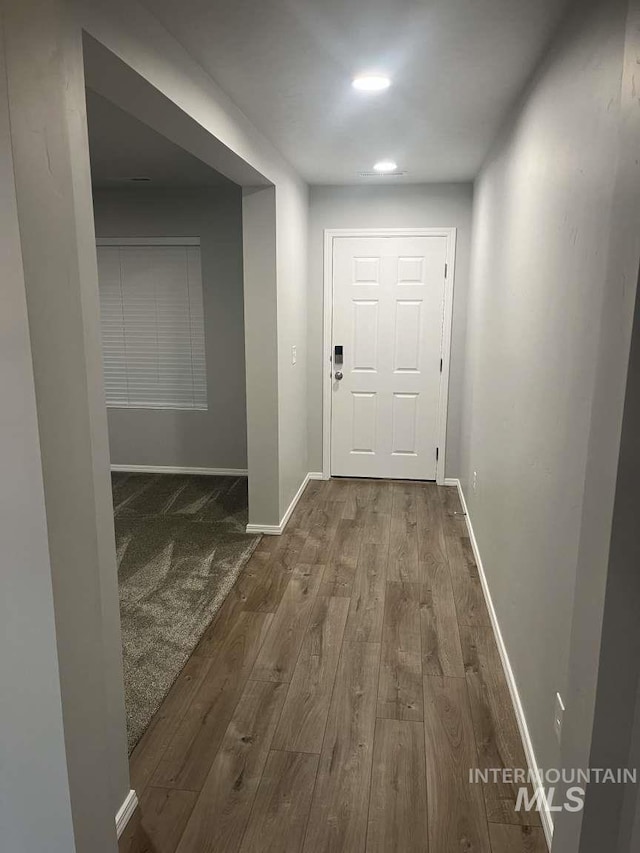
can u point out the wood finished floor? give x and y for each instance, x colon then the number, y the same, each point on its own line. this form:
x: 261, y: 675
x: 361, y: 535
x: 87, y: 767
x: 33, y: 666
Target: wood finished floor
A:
x: 339, y: 698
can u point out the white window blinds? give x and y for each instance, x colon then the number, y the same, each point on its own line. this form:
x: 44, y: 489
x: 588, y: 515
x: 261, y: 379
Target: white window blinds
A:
x: 152, y: 321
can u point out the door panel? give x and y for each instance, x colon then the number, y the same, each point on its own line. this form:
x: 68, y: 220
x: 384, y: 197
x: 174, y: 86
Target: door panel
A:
x: 364, y: 341
x: 405, y: 424
x: 388, y: 311
x: 408, y: 327
x: 364, y: 422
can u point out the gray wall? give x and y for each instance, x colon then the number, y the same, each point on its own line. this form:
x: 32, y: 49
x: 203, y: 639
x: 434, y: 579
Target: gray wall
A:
x: 53, y: 194
x: 605, y: 664
x: 616, y: 727
x: 259, y: 226
x: 216, y: 438
x: 35, y: 808
x: 391, y: 206
x: 292, y: 272
x: 542, y: 235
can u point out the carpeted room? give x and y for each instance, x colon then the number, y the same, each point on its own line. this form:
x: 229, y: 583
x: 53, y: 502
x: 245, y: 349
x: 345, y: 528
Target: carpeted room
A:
x: 181, y: 544
x: 169, y: 247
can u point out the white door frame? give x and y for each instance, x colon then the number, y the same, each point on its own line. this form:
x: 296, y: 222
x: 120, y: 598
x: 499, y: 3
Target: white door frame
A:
x: 443, y: 397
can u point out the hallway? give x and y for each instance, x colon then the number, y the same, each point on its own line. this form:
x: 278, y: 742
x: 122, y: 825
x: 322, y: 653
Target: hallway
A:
x: 341, y: 695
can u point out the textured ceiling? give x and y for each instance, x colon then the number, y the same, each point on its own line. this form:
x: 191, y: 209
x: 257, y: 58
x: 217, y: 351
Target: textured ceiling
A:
x: 457, y: 67
x: 121, y: 147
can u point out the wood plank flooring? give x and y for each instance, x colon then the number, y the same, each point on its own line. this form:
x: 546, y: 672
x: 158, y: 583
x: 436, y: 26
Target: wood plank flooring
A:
x: 339, y: 699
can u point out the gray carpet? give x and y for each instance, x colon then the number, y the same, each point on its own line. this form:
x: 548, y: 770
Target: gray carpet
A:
x: 180, y: 544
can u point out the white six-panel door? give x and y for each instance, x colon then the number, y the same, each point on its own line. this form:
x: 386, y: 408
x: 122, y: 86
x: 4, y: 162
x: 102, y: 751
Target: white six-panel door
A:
x: 388, y: 313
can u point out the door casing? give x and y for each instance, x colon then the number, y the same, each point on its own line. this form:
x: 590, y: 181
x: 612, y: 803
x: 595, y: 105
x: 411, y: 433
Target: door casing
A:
x: 443, y: 397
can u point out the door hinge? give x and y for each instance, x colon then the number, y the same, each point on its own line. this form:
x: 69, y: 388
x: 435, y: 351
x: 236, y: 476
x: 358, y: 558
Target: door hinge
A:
x: 446, y: 267
x: 440, y: 365
x: 437, y: 453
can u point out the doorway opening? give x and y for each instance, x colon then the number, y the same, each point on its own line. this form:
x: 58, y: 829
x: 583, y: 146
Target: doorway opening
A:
x: 169, y: 247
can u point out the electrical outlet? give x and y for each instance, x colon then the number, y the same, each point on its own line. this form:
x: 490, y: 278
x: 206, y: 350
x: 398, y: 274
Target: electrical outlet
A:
x: 474, y: 482
x: 294, y: 354
x: 558, y: 715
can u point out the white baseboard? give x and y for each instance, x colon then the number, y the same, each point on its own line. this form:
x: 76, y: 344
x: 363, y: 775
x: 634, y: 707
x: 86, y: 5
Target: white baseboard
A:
x: 545, y: 815
x: 265, y: 529
x: 125, y: 811
x: 277, y: 529
x: 451, y: 481
x: 172, y: 469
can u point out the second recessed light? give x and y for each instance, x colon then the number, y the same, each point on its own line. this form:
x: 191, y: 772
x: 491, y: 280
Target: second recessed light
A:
x: 371, y: 82
x: 385, y: 166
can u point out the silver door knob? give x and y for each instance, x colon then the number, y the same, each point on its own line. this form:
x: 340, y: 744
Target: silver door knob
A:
x: 338, y: 375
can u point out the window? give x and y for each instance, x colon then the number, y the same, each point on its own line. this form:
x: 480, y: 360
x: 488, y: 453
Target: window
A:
x: 152, y: 320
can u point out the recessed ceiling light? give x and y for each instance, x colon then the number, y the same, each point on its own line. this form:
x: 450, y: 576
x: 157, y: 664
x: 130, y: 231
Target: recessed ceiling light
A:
x: 385, y: 166
x: 371, y: 82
